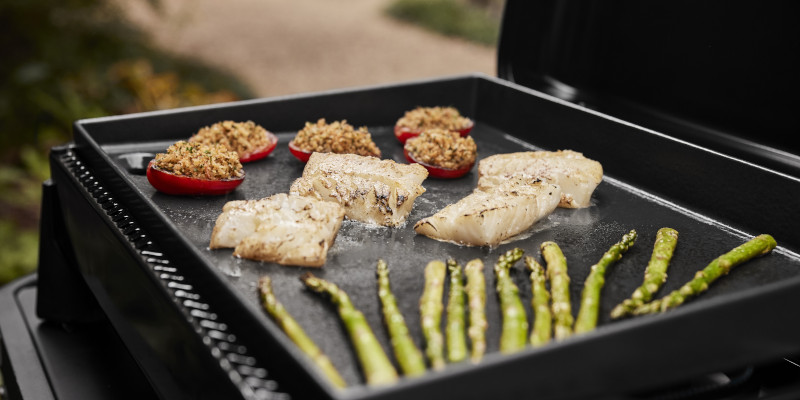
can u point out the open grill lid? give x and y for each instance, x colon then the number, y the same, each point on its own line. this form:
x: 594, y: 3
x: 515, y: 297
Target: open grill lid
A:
x: 721, y: 74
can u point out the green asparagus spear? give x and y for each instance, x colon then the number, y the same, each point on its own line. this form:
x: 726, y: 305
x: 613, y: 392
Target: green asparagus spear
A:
x: 456, y: 315
x: 377, y: 367
x: 720, y: 266
x: 430, y: 311
x: 559, y: 290
x: 654, y: 275
x: 540, y: 302
x: 590, y: 296
x: 514, y: 333
x: 405, y: 351
x: 476, y: 298
x: 296, y: 333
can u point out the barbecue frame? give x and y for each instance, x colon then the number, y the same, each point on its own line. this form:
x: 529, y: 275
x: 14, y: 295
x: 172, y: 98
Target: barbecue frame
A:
x: 196, y: 335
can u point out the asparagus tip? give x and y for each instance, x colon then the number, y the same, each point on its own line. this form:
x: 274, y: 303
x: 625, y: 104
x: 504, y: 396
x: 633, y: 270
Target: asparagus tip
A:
x: 382, y: 266
x: 264, y: 282
x: 308, y: 278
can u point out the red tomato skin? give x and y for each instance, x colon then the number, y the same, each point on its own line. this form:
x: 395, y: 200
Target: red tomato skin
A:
x: 299, y: 153
x: 261, y: 153
x: 169, y: 183
x: 438, y: 172
x: 402, y: 133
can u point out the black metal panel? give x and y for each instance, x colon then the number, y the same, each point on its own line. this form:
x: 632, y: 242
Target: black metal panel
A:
x: 651, y: 181
x: 24, y: 376
x: 718, y: 73
x: 713, y: 184
x: 62, y: 360
x: 140, y: 293
x: 282, y: 114
x: 64, y: 296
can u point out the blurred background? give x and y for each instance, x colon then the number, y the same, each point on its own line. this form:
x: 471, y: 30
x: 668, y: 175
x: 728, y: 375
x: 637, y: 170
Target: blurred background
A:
x: 74, y: 59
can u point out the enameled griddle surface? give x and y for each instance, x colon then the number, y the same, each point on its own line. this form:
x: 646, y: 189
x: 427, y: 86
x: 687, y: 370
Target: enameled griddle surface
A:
x: 650, y: 182
x: 583, y: 234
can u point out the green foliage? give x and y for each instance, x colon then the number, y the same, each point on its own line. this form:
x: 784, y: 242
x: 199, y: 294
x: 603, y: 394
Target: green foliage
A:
x: 59, y: 59
x: 449, y: 17
x: 20, y: 196
x: 20, y: 251
x: 69, y: 60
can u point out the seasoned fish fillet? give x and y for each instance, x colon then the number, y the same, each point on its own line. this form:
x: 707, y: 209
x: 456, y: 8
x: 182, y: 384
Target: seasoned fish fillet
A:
x: 492, y: 214
x: 289, y: 230
x: 237, y: 221
x: 577, y: 175
x: 371, y: 190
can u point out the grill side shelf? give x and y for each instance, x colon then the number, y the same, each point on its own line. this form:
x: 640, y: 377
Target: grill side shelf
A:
x: 129, y: 314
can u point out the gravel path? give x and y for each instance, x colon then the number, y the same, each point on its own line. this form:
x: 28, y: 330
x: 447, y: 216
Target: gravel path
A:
x: 282, y: 47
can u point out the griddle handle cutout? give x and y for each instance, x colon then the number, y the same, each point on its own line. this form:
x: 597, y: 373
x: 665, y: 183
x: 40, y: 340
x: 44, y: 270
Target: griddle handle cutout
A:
x: 136, y: 163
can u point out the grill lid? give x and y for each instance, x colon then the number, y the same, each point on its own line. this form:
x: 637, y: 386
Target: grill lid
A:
x: 721, y: 74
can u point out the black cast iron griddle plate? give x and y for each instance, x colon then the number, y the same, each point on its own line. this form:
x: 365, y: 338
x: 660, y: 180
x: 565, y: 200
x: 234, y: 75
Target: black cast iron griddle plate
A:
x: 583, y: 234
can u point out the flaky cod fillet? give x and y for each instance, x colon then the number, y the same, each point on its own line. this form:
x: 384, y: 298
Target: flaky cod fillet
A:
x: 285, y: 229
x: 492, y: 214
x: 370, y: 190
x: 577, y: 175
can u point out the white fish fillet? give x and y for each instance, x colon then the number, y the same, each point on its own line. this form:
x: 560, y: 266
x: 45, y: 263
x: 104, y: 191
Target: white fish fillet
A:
x: 371, y: 190
x: 288, y: 230
x: 490, y: 215
x: 577, y: 175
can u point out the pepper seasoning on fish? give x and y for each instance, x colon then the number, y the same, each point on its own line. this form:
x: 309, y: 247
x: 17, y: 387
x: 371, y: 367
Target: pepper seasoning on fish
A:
x: 285, y: 229
x: 577, y: 175
x: 370, y: 190
x: 492, y: 214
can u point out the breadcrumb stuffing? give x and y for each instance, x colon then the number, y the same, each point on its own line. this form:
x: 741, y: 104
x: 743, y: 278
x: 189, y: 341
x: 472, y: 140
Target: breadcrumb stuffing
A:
x: 197, y: 160
x: 442, y: 148
x: 337, y: 137
x: 434, y: 117
x: 241, y: 137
